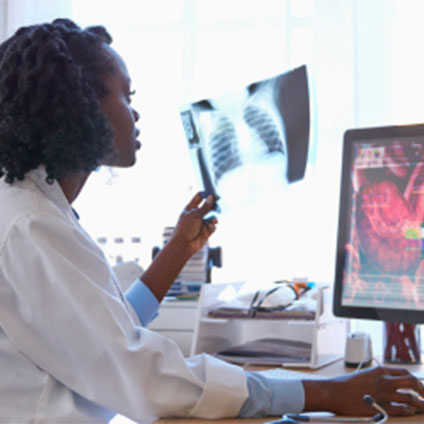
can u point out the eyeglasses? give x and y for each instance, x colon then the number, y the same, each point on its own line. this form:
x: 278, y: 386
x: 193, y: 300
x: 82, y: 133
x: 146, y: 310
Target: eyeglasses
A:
x: 256, y: 303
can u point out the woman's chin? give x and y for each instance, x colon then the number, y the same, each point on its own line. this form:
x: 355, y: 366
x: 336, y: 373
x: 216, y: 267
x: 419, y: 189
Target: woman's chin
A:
x: 120, y: 161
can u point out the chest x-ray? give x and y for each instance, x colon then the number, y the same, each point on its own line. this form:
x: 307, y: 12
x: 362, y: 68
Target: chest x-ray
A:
x: 250, y: 140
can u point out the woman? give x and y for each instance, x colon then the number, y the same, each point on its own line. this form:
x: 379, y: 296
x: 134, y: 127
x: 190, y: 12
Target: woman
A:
x: 73, y: 347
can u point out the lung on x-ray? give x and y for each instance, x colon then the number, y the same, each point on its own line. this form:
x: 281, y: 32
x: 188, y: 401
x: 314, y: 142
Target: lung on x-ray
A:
x: 253, y: 137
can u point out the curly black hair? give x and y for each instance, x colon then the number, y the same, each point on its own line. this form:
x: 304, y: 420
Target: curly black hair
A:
x: 51, y: 81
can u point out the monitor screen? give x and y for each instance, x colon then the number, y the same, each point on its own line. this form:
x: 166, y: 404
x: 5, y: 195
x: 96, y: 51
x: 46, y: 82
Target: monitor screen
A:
x: 380, y: 249
x: 245, y: 139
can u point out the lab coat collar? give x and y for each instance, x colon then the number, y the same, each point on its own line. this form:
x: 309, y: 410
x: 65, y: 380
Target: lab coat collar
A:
x: 52, y: 191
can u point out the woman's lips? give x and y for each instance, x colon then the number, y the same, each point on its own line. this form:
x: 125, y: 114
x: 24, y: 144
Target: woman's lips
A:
x: 137, y: 143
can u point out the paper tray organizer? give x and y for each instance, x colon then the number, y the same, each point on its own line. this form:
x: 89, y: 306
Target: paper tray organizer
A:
x: 322, y: 332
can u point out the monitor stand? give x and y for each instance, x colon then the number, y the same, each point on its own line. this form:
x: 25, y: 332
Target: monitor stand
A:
x: 401, y: 343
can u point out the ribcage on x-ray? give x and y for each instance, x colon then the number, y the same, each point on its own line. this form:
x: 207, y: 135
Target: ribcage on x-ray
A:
x: 264, y: 125
x: 223, y: 148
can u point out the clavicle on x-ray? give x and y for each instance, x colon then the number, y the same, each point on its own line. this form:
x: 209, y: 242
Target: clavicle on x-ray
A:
x: 251, y: 139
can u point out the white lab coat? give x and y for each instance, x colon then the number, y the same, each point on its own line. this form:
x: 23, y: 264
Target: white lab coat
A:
x: 71, y: 347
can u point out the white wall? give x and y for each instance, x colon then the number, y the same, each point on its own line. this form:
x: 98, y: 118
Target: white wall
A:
x: 389, y: 62
x: 17, y: 13
x: 3, y: 20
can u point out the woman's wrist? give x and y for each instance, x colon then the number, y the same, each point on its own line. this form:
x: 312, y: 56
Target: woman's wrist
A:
x: 166, y: 266
x: 321, y: 395
x: 180, y: 245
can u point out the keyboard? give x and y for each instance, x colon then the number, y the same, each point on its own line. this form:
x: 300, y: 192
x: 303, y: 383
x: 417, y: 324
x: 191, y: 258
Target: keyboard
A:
x: 289, y: 374
x: 418, y: 374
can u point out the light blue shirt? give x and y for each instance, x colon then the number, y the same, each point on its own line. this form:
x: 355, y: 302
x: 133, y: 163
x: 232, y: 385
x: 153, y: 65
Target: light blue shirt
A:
x: 143, y: 301
x: 272, y: 396
x: 267, y: 396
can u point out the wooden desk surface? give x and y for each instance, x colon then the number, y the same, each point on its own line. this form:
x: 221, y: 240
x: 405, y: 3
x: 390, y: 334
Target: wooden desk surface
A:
x: 393, y: 420
x: 332, y: 370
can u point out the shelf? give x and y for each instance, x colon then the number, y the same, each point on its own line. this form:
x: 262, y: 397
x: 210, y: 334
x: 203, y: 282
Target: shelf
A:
x: 324, y: 332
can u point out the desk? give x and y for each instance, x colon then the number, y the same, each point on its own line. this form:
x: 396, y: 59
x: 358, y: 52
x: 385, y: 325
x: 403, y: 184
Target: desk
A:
x: 416, y: 419
x: 331, y: 370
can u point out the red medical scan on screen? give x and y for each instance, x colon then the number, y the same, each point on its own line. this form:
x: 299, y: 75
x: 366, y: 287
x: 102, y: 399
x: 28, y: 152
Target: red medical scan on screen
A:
x: 384, y: 255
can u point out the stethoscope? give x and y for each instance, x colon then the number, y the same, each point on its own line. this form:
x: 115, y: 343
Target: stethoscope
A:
x: 381, y: 417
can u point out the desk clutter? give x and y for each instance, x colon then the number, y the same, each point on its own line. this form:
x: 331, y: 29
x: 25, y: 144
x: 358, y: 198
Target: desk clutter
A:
x: 280, y: 325
x: 267, y: 351
x: 195, y: 272
x: 281, y: 300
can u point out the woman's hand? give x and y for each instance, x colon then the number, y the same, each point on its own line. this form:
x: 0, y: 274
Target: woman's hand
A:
x: 190, y: 234
x: 192, y: 231
x: 344, y: 395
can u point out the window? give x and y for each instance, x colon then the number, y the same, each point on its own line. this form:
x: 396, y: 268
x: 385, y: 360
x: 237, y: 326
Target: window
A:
x: 180, y: 51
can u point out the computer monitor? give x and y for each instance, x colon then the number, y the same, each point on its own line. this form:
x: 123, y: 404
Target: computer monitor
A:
x: 380, y: 249
x: 243, y: 134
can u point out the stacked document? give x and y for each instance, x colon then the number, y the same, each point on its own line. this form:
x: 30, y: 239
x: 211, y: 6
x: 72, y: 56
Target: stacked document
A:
x: 196, y: 267
x: 193, y: 274
x: 268, y: 351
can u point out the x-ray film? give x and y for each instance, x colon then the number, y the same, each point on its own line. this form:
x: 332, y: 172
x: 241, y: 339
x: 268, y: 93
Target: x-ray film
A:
x: 251, y: 130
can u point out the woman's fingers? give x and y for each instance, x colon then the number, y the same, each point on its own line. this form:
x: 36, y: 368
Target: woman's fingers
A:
x: 407, y: 398
x: 388, y: 386
x: 406, y: 381
x: 211, y: 225
x: 406, y: 393
x: 192, y: 225
x: 195, y: 201
x: 399, y: 410
x: 396, y: 371
x: 207, y: 205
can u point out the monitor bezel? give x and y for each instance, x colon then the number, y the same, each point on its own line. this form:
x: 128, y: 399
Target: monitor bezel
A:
x: 352, y: 136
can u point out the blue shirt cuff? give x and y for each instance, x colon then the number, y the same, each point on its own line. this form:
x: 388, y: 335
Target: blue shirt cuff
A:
x: 272, y: 396
x: 143, y: 301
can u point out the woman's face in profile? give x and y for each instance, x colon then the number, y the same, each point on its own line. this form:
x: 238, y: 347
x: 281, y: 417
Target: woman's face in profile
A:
x: 116, y: 105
